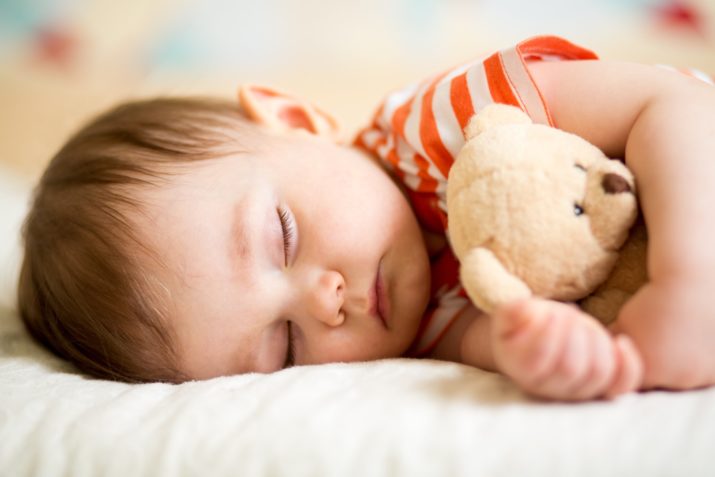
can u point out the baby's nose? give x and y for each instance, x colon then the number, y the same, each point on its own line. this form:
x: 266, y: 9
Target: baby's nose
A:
x: 324, y: 300
x: 614, y: 184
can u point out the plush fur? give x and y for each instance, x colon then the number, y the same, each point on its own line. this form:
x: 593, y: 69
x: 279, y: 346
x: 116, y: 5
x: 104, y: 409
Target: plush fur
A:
x: 534, y: 210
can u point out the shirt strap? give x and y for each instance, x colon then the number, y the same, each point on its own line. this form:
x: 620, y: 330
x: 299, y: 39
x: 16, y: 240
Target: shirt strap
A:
x: 511, y: 63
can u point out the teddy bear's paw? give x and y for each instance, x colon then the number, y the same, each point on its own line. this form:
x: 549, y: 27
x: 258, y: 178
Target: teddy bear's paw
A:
x: 555, y: 351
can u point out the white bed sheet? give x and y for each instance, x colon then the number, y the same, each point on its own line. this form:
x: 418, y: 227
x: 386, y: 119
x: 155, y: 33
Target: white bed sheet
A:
x: 389, y: 418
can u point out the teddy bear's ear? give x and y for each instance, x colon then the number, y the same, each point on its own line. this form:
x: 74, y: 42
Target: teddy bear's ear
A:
x: 494, y: 115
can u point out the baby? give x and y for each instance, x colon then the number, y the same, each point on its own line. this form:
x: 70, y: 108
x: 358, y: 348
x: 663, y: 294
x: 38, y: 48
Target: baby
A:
x: 179, y: 239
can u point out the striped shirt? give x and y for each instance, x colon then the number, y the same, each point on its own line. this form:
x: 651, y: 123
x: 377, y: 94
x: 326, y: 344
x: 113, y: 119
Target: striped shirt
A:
x: 417, y: 133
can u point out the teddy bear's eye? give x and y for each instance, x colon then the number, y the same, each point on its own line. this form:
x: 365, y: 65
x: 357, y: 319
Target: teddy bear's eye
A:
x: 578, y: 210
x: 580, y: 167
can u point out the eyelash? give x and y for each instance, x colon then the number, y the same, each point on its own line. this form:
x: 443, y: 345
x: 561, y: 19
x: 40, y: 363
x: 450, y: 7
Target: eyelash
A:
x: 290, y: 353
x: 288, y: 228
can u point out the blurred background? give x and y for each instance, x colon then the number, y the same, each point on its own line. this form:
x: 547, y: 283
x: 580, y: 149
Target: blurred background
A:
x: 62, y: 61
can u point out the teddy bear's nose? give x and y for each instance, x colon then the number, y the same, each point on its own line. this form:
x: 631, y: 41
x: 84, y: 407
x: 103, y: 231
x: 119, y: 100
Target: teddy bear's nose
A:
x: 615, y: 184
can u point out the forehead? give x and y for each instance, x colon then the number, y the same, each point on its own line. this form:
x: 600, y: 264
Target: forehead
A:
x: 187, y: 222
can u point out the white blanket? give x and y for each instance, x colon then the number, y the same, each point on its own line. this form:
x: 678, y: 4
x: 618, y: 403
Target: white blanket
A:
x: 389, y: 418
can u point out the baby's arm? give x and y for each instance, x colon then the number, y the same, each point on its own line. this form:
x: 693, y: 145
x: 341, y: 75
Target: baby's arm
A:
x: 663, y: 123
x: 551, y: 350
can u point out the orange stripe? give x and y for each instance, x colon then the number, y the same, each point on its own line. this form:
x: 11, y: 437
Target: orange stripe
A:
x: 399, y: 117
x: 461, y: 100
x: 429, y: 135
x: 427, y: 182
x: 359, y: 141
x: 499, y: 86
x: 394, y: 160
x: 377, y: 117
x: 396, y: 172
x: 553, y: 45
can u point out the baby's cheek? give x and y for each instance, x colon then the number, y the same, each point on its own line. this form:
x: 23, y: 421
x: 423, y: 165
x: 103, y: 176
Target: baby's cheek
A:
x: 354, y: 348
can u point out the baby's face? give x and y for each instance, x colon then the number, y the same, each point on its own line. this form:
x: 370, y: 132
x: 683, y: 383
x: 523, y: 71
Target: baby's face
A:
x: 303, y: 241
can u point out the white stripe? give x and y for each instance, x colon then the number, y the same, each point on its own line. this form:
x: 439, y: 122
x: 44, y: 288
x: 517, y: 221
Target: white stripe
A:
x: 454, y: 73
x: 406, y: 164
x: 446, y: 121
x: 442, y: 203
x: 370, y: 137
x: 412, y: 181
x: 441, y: 193
x: 406, y: 157
x: 478, y: 87
x: 441, y: 187
x: 385, y: 148
x: 405, y: 160
x: 433, y: 172
x: 450, y: 304
x: 394, y: 101
x: 525, y: 88
x: 412, y: 124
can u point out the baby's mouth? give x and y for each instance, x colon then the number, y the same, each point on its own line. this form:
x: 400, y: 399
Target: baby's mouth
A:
x: 379, y: 303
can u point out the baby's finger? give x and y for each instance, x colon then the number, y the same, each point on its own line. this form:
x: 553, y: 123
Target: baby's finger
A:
x: 629, y: 368
x: 541, y: 352
x: 572, y: 367
x: 527, y: 341
x: 518, y: 318
x: 602, y: 365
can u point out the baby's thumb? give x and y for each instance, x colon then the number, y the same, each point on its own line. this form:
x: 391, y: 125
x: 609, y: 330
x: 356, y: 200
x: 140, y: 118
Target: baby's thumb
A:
x: 513, y: 318
x: 629, y: 367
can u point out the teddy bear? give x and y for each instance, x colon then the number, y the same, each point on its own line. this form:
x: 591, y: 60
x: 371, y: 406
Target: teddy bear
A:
x: 536, y: 211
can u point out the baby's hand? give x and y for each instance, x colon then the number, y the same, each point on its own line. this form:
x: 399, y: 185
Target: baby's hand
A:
x: 555, y: 351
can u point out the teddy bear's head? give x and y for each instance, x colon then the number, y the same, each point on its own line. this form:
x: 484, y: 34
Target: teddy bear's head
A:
x: 534, y: 210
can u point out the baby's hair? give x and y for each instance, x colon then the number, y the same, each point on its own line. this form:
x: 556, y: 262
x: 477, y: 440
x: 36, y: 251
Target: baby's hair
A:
x: 83, y: 291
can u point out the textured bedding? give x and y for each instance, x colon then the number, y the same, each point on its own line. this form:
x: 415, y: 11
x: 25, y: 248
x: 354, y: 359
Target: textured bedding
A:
x: 389, y: 418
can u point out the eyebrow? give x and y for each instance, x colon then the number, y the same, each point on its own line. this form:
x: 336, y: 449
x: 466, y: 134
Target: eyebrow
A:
x: 240, y: 251
x: 242, y: 254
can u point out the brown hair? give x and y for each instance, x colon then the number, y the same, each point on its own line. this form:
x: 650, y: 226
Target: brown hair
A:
x: 83, y: 292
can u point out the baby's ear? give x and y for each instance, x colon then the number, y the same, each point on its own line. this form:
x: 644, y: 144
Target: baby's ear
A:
x: 282, y: 112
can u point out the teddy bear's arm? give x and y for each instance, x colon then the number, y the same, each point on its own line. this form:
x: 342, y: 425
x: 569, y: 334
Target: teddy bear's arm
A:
x: 488, y: 283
